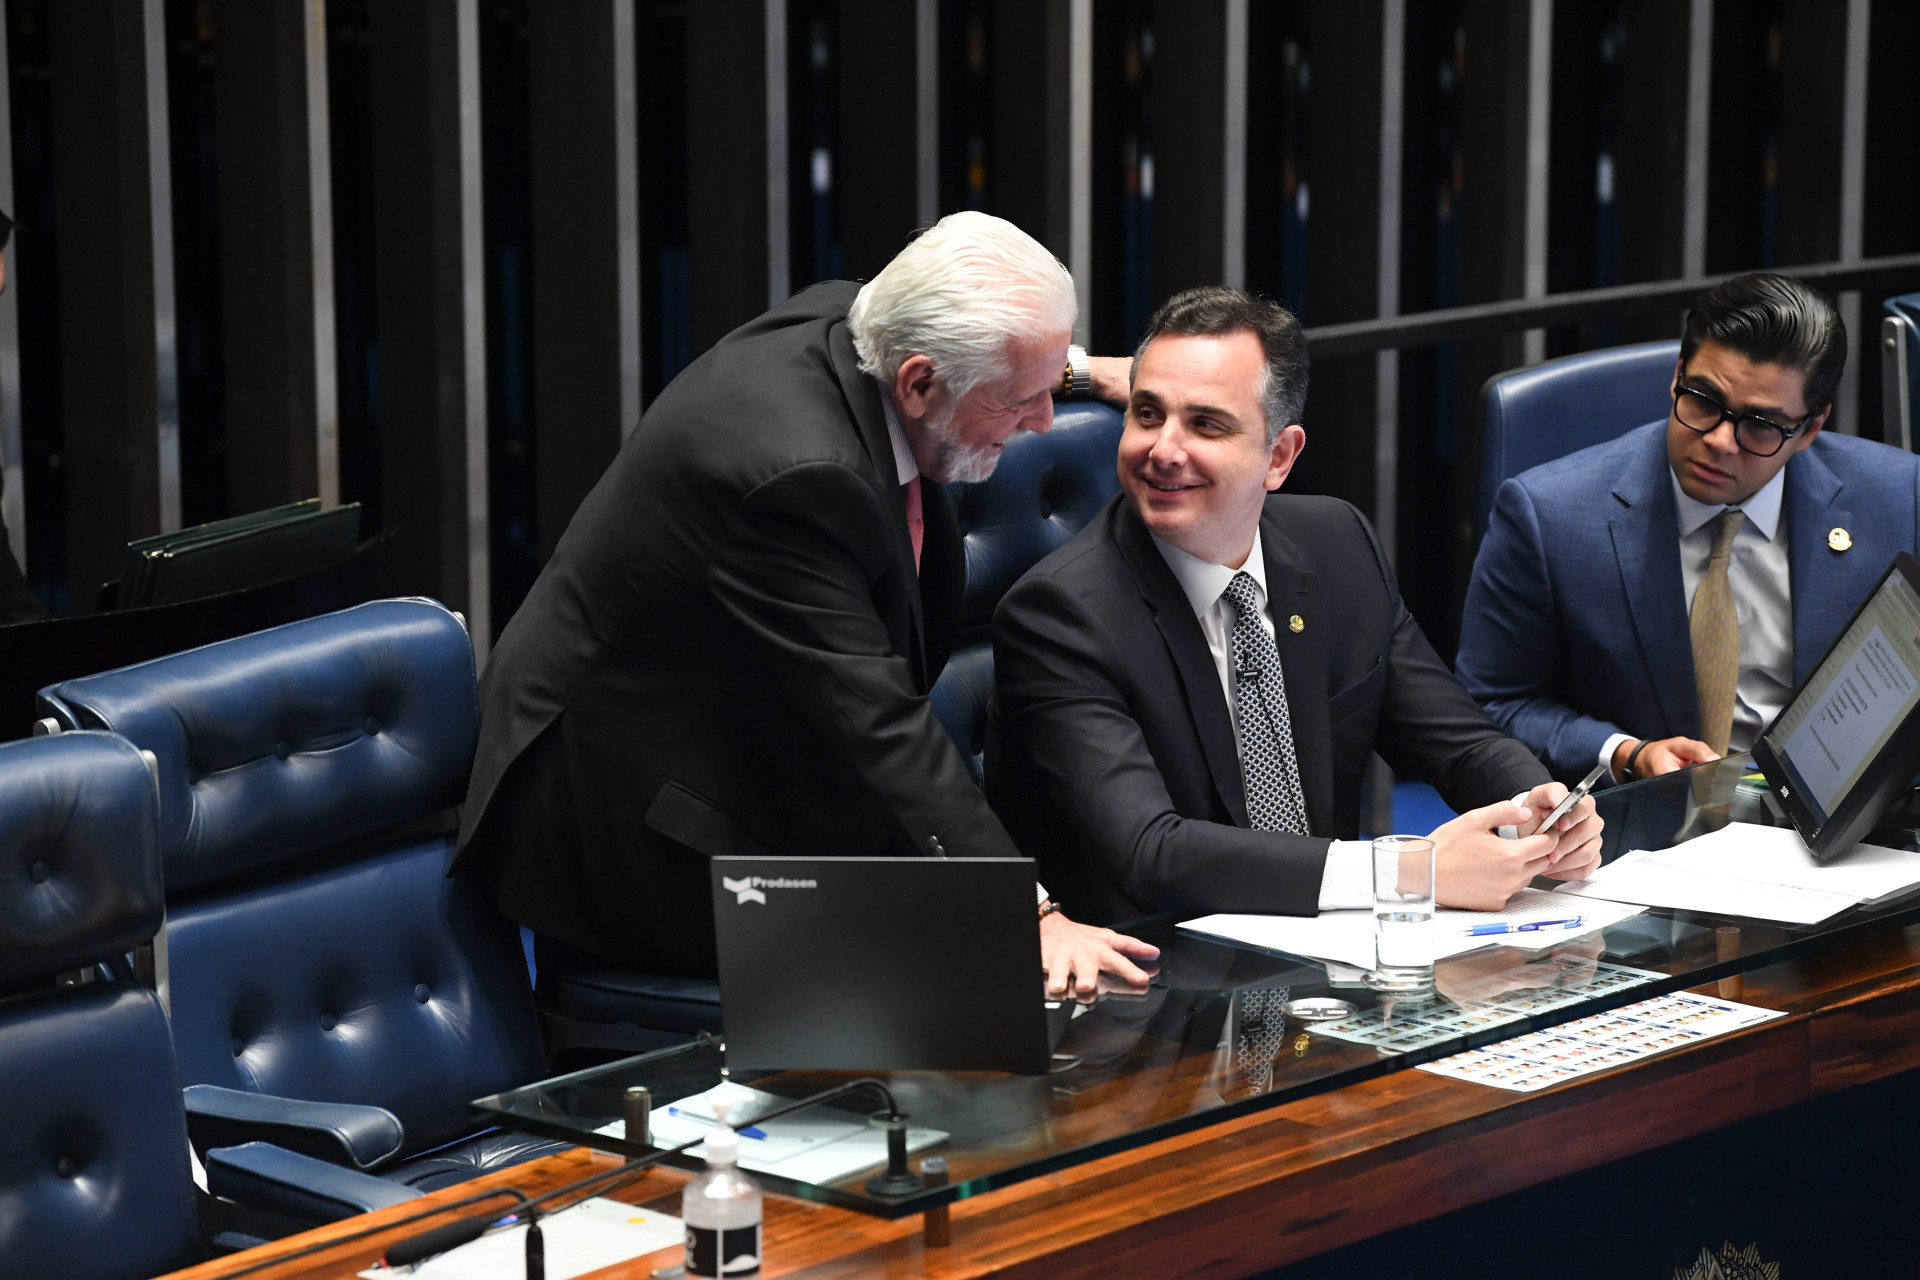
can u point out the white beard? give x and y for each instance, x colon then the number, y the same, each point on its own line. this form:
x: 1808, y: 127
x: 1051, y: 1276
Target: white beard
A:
x: 958, y: 463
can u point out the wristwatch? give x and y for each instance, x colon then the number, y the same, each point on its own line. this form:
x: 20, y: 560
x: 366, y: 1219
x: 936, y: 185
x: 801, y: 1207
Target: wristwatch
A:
x: 1077, y: 377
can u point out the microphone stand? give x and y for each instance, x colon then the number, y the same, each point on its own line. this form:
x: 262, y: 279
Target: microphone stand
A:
x: 897, y: 1180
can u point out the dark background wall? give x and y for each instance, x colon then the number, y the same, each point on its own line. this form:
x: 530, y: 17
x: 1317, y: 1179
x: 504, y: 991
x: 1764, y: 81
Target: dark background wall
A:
x: 325, y: 304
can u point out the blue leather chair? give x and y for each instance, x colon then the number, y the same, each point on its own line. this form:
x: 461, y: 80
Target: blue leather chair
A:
x: 1044, y: 491
x: 1551, y: 410
x: 94, y: 1173
x: 331, y: 990
x: 1899, y: 366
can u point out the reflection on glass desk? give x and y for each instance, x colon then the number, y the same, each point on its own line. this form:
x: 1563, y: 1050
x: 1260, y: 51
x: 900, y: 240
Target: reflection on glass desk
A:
x: 1208, y: 1040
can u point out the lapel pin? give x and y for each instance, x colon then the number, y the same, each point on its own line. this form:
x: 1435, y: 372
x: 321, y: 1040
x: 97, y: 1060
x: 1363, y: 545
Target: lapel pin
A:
x: 1296, y: 624
x: 1839, y: 539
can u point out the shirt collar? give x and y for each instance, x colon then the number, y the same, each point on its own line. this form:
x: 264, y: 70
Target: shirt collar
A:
x: 1762, y: 509
x: 1204, y: 581
x: 903, y: 461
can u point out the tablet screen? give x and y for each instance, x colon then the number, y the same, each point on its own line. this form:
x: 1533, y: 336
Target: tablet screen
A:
x: 1855, y: 702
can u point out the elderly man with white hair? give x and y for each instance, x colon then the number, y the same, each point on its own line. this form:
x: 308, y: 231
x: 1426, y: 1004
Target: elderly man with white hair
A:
x: 730, y: 650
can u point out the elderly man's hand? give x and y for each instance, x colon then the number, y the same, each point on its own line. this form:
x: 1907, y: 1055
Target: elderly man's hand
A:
x: 1112, y: 377
x: 1075, y: 955
x: 1576, y: 848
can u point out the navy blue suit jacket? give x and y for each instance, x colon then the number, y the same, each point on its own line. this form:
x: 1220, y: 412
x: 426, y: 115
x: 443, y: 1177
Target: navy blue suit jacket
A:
x: 1576, y: 620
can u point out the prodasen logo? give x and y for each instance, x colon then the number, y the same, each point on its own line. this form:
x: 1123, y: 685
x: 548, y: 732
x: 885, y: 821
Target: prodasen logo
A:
x: 743, y: 887
x: 748, y: 888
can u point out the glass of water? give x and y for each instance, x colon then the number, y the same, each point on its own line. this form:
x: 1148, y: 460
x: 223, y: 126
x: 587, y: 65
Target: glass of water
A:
x: 1402, y: 914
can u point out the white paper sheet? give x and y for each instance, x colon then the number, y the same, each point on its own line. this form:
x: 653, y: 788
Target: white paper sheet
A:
x: 1763, y: 873
x: 817, y: 1145
x: 593, y: 1234
x: 1346, y: 937
x: 1601, y: 1041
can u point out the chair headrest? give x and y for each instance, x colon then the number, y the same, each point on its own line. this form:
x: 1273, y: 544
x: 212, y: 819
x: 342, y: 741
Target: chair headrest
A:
x: 1551, y: 410
x: 286, y: 741
x: 1045, y: 490
x: 79, y: 863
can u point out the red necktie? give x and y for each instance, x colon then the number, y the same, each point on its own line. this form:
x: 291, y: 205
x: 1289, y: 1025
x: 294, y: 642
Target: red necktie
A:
x: 916, y: 519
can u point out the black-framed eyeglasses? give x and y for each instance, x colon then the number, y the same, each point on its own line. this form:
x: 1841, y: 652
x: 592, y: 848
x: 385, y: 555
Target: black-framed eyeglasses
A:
x: 1761, y: 437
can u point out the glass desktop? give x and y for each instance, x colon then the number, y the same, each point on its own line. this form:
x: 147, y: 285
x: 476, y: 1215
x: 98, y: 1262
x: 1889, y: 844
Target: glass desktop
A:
x: 1208, y: 1040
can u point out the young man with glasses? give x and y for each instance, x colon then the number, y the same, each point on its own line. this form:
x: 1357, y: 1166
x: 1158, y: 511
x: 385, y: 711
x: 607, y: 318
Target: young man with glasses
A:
x: 1651, y: 603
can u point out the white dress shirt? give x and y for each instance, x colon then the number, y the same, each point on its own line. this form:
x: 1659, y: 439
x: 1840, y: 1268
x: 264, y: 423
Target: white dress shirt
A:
x: 1346, y: 881
x: 1762, y: 602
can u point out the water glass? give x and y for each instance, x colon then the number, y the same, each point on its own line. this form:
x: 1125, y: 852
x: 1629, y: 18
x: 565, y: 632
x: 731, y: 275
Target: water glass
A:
x: 1402, y: 914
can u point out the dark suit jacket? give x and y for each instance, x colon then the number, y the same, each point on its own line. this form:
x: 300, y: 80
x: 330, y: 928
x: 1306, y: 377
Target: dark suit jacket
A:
x: 1110, y: 751
x: 1576, y: 619
x: 729, y: 652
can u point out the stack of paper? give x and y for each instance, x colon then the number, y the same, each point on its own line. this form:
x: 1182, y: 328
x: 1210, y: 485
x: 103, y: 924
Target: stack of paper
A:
x: 818, y: 1145
x: 1764, y: 873
x: 1346, y: 937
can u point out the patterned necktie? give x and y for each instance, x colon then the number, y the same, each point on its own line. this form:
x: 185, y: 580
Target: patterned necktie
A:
x: 1715, y: 628
x: 1267, y: 761
x: 916, y: 518
x: 1259, y: 1034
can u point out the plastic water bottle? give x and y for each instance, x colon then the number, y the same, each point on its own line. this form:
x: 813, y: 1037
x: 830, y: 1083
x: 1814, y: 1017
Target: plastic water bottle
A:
x: 722, y: 1211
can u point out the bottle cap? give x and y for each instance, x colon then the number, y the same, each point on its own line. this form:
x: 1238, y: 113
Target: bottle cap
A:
x: 723, y: 1146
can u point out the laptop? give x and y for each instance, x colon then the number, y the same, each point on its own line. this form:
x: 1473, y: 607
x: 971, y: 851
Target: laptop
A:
x: 882, y: 964
x: 1847, y: 744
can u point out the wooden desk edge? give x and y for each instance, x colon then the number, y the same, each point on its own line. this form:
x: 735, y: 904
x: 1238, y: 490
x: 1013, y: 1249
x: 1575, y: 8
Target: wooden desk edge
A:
x: 1294, y: 1181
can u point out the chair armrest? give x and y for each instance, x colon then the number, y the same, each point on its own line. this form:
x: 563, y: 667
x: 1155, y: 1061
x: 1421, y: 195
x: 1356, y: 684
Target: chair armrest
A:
x: 341, y: 1133
x: 273, y: 1180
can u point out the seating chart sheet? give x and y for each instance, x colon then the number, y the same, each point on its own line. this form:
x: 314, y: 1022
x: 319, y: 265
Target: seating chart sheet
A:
x: 1604, y: 1040
x: 1489, y: 1000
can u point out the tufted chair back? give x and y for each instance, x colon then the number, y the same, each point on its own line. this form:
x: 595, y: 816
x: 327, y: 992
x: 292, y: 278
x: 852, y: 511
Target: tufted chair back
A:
x: 1551, y: 410
x: 94, y: 1180
x: 1044, y: 491
x: 313, y: 951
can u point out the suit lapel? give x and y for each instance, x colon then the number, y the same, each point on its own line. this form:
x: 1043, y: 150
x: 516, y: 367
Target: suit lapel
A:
x: 1647, y: 550
x: 1294, y: 591
x: 1173, y: 615
x: 870, y: 421
x: 1826, y: 585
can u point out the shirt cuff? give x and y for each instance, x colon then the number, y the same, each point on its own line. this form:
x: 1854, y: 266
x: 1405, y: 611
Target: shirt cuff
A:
x: 1346, y: 881
x: 1040, y: 893
x: 1606, y: 752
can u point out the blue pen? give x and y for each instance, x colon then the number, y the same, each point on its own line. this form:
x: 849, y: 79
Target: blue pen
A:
x: 748, y: 1132
x: 1532, y: 926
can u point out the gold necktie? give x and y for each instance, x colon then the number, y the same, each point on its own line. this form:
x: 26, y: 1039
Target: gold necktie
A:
x: 1715, y: 629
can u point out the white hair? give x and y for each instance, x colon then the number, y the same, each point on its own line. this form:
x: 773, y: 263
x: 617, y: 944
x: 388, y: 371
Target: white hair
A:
x: 960, y: 294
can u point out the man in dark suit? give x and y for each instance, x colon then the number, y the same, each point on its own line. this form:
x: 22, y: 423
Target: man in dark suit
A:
x: 1652, y: 602
x: 1187, y: 693
x: 730, y: 650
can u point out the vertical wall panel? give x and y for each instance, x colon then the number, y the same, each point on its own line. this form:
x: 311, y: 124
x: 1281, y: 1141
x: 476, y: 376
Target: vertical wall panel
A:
x: 118, y: 386
x: 13, y: 480
x: 429, y: 303
x: 727, y: 206
x: 879, y: 132
x: 1188, y: 129
x: 585, y: 249
x: 276, y: 253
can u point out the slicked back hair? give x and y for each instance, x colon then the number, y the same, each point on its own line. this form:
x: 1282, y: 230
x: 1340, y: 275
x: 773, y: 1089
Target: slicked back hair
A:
x: 1773, y: 319
x: 1214, y: 311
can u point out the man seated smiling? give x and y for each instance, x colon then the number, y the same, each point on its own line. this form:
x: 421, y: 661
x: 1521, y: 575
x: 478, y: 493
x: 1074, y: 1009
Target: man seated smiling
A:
x: 1186, y: 694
